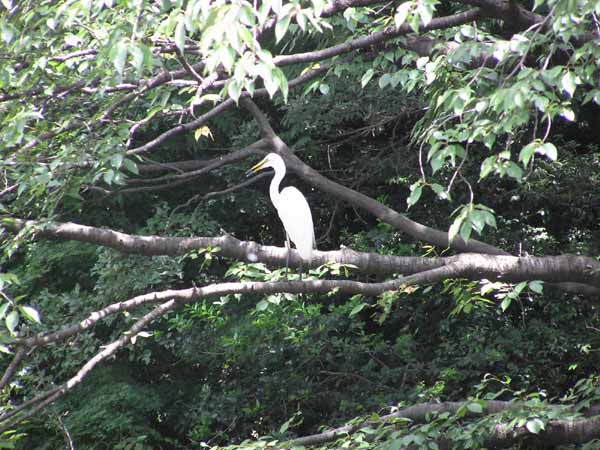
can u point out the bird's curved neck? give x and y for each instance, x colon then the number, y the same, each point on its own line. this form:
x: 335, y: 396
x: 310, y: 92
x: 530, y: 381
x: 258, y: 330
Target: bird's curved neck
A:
x: 274, y: 187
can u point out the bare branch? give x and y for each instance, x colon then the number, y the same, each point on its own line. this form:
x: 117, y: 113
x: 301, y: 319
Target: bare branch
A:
x: 207, y: 166
x: 12, y: 367
x: 186, y: 65
x: 180, y: 297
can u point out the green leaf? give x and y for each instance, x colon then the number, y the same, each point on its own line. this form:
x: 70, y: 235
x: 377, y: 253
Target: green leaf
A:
x: 180, y: 34
x: 282, y: 81
x: 519, y: 287
x: 536, y: 286
x: 402, y: 13
x: 131, y: 166
x: 514, y: 171
x: 120, y: 57
x: 415, y: 194
x: 548, y: 149
x: 527, y: 152
x: 487, y: 166
x: 281, y: 27
x: 567, y: 113
x: 454, y: 228
x: 3, y: 309
x: 568, y: 83
x: 384, y: 80
x: 439, y: 190
x: 465, y: 230
x: 12, y: 320
x: 367, y: 77
x: 505, y: 303
x: 30, y: 314
x: 475, y: 407
x: 396, y: 444
x: 262, y: 305
x: 137, y: 55
x: 358, y: 308
x: 116, y: 160
x: 234, y: 89
x: 534, y: 425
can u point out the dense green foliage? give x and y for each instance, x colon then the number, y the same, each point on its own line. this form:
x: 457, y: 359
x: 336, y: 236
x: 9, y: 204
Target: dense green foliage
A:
x: 506, y: 152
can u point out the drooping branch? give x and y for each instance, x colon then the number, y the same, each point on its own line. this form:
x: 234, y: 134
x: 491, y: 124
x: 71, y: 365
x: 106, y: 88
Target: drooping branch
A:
x: 42, y: 400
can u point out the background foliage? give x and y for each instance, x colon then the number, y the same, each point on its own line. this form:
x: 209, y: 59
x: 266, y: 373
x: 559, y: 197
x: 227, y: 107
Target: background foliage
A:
x: 391, y: 123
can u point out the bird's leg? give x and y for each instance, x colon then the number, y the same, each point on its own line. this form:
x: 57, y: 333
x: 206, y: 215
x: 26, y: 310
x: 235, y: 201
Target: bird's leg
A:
x: 287, y: 257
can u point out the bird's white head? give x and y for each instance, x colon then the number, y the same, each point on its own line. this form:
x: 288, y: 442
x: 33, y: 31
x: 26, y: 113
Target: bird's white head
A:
x: 271, y: 160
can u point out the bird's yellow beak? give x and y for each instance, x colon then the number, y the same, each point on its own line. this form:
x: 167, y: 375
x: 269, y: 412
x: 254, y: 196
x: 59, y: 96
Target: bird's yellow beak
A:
x: 256, y: 168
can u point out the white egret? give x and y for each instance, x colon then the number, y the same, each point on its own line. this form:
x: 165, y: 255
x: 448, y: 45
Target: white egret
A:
x: 291, y: 206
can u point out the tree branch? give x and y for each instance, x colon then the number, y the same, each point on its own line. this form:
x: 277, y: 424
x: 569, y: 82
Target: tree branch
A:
x: 176, y: 298
x: 557, y: 432
x: 553, y: 269
x: 376, y: 38
x: 222, y: 107
x: 12, y: 367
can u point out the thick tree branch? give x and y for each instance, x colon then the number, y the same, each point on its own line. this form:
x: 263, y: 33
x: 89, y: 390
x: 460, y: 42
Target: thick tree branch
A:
x: 553, y: 269
x: 507, y: 10
x: 416, y: 413
x: 557, y: 432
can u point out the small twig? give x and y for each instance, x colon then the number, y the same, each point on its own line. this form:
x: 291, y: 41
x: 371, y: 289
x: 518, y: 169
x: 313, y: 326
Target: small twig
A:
x: 68, y: 439
x: 215, y: 194
x: 457, y: 171
x: 8, y: 190
x: 186, y: 65
x: 325, y: 236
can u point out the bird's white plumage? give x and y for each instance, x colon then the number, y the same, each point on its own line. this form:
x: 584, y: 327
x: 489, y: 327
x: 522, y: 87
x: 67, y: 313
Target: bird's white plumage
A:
x: 295, y: 214
x: 291, y: 206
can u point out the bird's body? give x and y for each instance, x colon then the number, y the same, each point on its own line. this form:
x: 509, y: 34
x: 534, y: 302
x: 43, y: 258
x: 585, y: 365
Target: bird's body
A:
x: 291, y: 206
